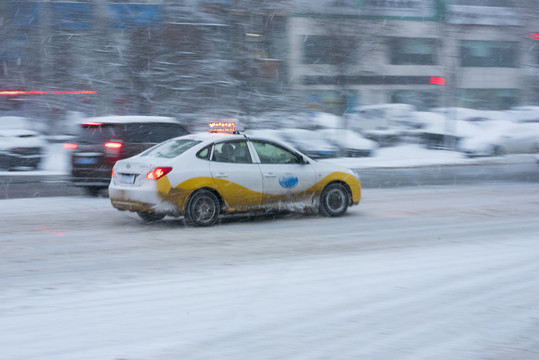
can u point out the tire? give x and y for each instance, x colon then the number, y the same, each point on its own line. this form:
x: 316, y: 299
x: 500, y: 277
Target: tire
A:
x: 92, y: 191
x: 149, y: 217
x: 334, y: 200
x: 202, y: 209
x: 497, y: 150
x: 4, y: 164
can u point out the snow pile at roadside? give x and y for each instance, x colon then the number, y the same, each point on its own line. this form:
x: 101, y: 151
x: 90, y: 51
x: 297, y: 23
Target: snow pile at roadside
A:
x: 406, y: 155
x: 413, y: 155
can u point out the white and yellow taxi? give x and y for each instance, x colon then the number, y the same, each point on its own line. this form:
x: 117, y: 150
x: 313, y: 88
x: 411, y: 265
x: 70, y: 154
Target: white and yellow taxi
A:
x: 204, y: 175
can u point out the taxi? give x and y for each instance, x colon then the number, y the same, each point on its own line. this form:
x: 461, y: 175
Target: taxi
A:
x: 205, y: 175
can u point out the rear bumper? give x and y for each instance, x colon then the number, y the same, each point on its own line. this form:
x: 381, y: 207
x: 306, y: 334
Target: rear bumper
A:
x: 91, y: 182
x: 14, y: 160
x: 91, y: 177
x: 143, y: 198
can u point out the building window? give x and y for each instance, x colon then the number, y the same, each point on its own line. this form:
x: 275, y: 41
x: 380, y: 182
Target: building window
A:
x: 410, y: 51
x: 492, y: 3
x: 489, y: 99
x: 333, y: 102
x: 329, y: 50
x: 489, y: 53
x: 422, y: 99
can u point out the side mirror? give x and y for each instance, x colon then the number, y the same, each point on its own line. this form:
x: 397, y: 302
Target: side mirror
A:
x: 303, y: 160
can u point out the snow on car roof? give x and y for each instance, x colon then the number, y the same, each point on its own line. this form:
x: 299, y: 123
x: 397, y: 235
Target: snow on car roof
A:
x: 18, y: 132
x: 204, y: 136
x: 124, y: 119
x: 325, y: 120
x: 13, y: 122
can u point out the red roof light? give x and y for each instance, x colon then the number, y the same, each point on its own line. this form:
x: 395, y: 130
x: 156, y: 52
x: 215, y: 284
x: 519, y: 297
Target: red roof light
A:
x: 56, y: 92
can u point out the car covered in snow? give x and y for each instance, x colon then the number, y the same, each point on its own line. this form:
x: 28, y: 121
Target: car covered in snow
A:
x: 21, y: 148
x: 351, y: 143
x: 201, y: 176
x: 310, y: 143
x: 502, y: 137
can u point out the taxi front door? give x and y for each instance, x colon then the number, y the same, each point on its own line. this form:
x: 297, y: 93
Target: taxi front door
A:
x: 286, y: 178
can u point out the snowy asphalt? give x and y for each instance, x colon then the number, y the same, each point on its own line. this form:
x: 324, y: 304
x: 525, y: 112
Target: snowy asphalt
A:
x: 415, y: 273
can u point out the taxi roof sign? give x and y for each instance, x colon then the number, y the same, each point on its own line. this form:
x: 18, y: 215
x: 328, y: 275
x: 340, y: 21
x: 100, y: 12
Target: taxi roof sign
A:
x: 227, y: 126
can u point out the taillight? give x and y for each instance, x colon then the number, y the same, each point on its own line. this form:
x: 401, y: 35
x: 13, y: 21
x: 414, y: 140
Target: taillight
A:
x: 113, y: 145
x: 113, y: 151
x: 70, y: 146
x: 158, y: 173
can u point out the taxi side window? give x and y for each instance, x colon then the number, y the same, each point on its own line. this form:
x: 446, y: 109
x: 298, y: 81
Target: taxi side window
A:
x: 204, y: 153
x: 232, y: 151
x: 273, y: 154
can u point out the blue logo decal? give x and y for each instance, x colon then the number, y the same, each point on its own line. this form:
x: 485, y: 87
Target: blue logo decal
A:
x: 288, y: 181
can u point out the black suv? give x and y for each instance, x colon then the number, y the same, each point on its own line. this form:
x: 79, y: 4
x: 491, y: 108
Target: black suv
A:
x: 104, y: 140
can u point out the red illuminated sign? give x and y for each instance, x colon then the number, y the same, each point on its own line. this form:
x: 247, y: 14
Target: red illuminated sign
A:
x: 437, y: 80
x: 56, y: 92
x: 534, y: 36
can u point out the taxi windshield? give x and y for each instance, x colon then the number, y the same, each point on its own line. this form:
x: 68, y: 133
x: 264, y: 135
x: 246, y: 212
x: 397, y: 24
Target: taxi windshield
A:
x: 170, y: 149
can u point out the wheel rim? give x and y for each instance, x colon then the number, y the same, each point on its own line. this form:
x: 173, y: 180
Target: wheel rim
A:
x: 336, y: 200
x: 204, y: 210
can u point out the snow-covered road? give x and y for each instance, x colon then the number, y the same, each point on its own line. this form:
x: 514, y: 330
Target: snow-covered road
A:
x: 411, y: 273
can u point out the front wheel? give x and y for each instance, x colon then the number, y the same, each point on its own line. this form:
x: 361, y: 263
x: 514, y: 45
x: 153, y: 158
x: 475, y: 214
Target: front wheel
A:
x: 202, y: 209
x: 149, y: 217
x: 334, y: 200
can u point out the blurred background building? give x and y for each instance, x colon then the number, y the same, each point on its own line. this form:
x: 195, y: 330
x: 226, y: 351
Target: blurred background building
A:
x: 186, y: 58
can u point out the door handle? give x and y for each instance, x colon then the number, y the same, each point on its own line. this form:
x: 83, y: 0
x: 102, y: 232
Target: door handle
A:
x: 270, y: 175
x: 221, y: 175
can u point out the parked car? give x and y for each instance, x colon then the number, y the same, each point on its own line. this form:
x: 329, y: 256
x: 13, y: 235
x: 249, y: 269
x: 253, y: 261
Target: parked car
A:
x: 309, y: 142
x: 350, y: 142
x: 21, y: 148
x: 104, y: 140
x: 201, y: 176
x: 439, y: 132
x: 504, y: 137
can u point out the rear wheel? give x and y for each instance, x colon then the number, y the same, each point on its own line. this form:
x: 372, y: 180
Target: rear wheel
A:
x: 149, y: 217
x: 92, y: 191
x: 202, y: 209
x: 497, y: 150
x: 334, y: 200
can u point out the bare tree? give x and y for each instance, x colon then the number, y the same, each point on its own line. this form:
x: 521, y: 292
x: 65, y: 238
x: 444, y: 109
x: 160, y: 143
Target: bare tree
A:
x: 346, y: 46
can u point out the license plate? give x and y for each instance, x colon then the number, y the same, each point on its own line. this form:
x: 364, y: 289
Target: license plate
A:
x: 86, y: 160
x: 127, y: 179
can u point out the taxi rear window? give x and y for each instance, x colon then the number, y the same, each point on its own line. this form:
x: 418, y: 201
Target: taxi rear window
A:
x: 170, y: 149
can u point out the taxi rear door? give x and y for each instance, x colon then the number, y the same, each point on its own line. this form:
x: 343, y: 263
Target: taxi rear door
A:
x: 236, y: 177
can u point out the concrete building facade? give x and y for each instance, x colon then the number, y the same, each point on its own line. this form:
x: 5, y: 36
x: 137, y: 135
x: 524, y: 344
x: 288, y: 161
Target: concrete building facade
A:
x: 140, y: 56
